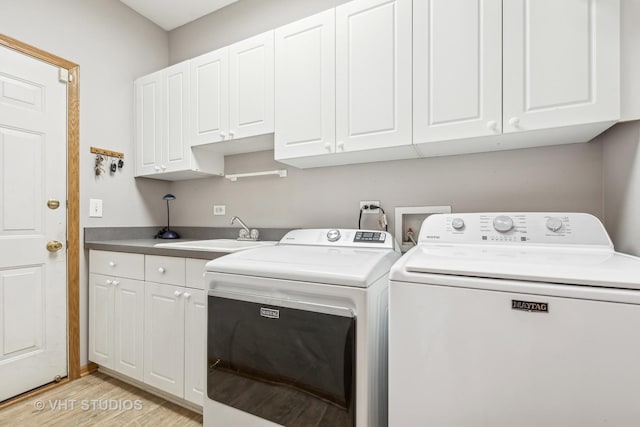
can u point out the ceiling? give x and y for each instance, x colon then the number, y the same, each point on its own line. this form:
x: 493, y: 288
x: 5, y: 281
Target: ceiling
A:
x: 170, y: 14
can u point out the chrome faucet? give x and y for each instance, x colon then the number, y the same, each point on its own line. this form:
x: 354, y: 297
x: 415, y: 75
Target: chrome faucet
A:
x: 245, y: 233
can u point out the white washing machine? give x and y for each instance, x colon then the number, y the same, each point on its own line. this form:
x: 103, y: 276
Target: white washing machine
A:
x: 297, y: 332
x: 518, y: 319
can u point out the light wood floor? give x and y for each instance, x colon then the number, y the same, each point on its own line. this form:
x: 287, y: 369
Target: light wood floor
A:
x: 104, y: 390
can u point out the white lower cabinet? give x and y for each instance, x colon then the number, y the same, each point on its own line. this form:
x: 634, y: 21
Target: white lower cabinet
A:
x: 195, y: 326
x: 164, y: 337
x: 174, y: 340
x: 116, y: 324
x: 150, y: 331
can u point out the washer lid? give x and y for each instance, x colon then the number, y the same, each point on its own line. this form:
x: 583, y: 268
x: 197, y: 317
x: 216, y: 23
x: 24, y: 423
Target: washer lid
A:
x: 346, y: 266
x: 603, y: 268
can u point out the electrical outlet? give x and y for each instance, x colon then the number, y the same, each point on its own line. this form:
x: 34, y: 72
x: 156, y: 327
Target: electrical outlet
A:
x: 219, y: 210
x: 95, y: 208
x: 370, y: 202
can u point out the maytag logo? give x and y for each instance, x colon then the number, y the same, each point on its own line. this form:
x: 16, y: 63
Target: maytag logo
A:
x: 538, y: 307
x: 269, y: 313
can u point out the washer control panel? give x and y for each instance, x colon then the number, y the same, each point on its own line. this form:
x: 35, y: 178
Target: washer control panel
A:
x: 515, y: 228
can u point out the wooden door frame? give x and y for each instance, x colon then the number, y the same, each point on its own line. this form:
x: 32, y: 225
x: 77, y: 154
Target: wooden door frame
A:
x: 73, y: 195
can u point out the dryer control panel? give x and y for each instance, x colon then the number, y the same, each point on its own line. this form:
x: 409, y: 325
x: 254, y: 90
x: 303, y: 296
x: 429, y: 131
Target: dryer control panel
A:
x: 515, y: 228
x: 340, y: 237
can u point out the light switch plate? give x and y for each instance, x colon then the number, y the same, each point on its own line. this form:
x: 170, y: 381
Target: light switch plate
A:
x: 95, y: 208
x: 219, y: 210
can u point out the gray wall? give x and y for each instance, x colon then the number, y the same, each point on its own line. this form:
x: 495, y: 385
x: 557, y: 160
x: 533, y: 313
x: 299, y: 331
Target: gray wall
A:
x: 621, y: 160
x: 113, y: 45
x: 554, y: 178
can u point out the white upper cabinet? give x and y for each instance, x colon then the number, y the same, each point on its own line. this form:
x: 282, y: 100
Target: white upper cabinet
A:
x: 209, y: 97
x: 457, y: 69
x: 176, y: 150
x: 305, y: 87
x: 163, y: 149
x: 251, y: 86
x: 373, y: 74
x: 149, y: 128
x: 561, y: 63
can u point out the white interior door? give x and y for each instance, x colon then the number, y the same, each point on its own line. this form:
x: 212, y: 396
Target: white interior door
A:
x: 33, y: 291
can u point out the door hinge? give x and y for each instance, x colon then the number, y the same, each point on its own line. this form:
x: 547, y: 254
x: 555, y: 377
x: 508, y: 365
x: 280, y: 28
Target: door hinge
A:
x: 64, y: 76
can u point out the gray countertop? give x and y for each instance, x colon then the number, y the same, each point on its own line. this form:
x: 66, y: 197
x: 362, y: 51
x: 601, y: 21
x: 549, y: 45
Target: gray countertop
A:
x: 139, y: 239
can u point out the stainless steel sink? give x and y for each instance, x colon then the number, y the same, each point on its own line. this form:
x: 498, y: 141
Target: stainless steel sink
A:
x: 216, y: 245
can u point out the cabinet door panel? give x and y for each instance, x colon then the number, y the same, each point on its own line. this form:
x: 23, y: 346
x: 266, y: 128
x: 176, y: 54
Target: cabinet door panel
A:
x: 373, y: 74
x: 129, y: 327
x: 164, y: 338
x: 457, y: 69
x: 210, y: 97
x: 194, y: 346
x: 251, y: 86
x: 149, y: 127
x: 305, y: 87
x: 561, y: 63
x: 101, y: 319
x: 177, y: 151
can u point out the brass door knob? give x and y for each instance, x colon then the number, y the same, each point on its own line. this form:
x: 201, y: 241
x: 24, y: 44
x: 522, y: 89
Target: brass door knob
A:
x: 54, y: 246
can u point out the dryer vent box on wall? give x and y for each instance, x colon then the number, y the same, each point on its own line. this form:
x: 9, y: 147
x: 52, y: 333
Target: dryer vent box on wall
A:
x: 411, y: 218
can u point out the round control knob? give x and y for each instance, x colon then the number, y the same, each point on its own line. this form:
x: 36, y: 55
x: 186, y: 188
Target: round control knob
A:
x: 333, y: 235
x: 554, y: 224
x: 457, y: 223
x: 502, y: 223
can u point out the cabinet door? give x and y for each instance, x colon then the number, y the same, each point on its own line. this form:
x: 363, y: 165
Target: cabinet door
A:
x: 305, y: 87
x: 209, y: 97
x: 194, y: 348
x: 251, y: 86
x: 129, y: 327
x: 176, y: 150
x: 101, y: 312
x: 373, y: 74
x: 457, y: 63
x: 561, y: 63
x: 164, y: 338
x: 149, y: 124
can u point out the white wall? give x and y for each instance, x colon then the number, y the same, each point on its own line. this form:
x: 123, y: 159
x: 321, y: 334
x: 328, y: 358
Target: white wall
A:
x: 113, y: 45
x: 621, y: 159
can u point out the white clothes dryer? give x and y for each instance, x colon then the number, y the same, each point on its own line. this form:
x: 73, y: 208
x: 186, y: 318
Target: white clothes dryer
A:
x: 297, y: 332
